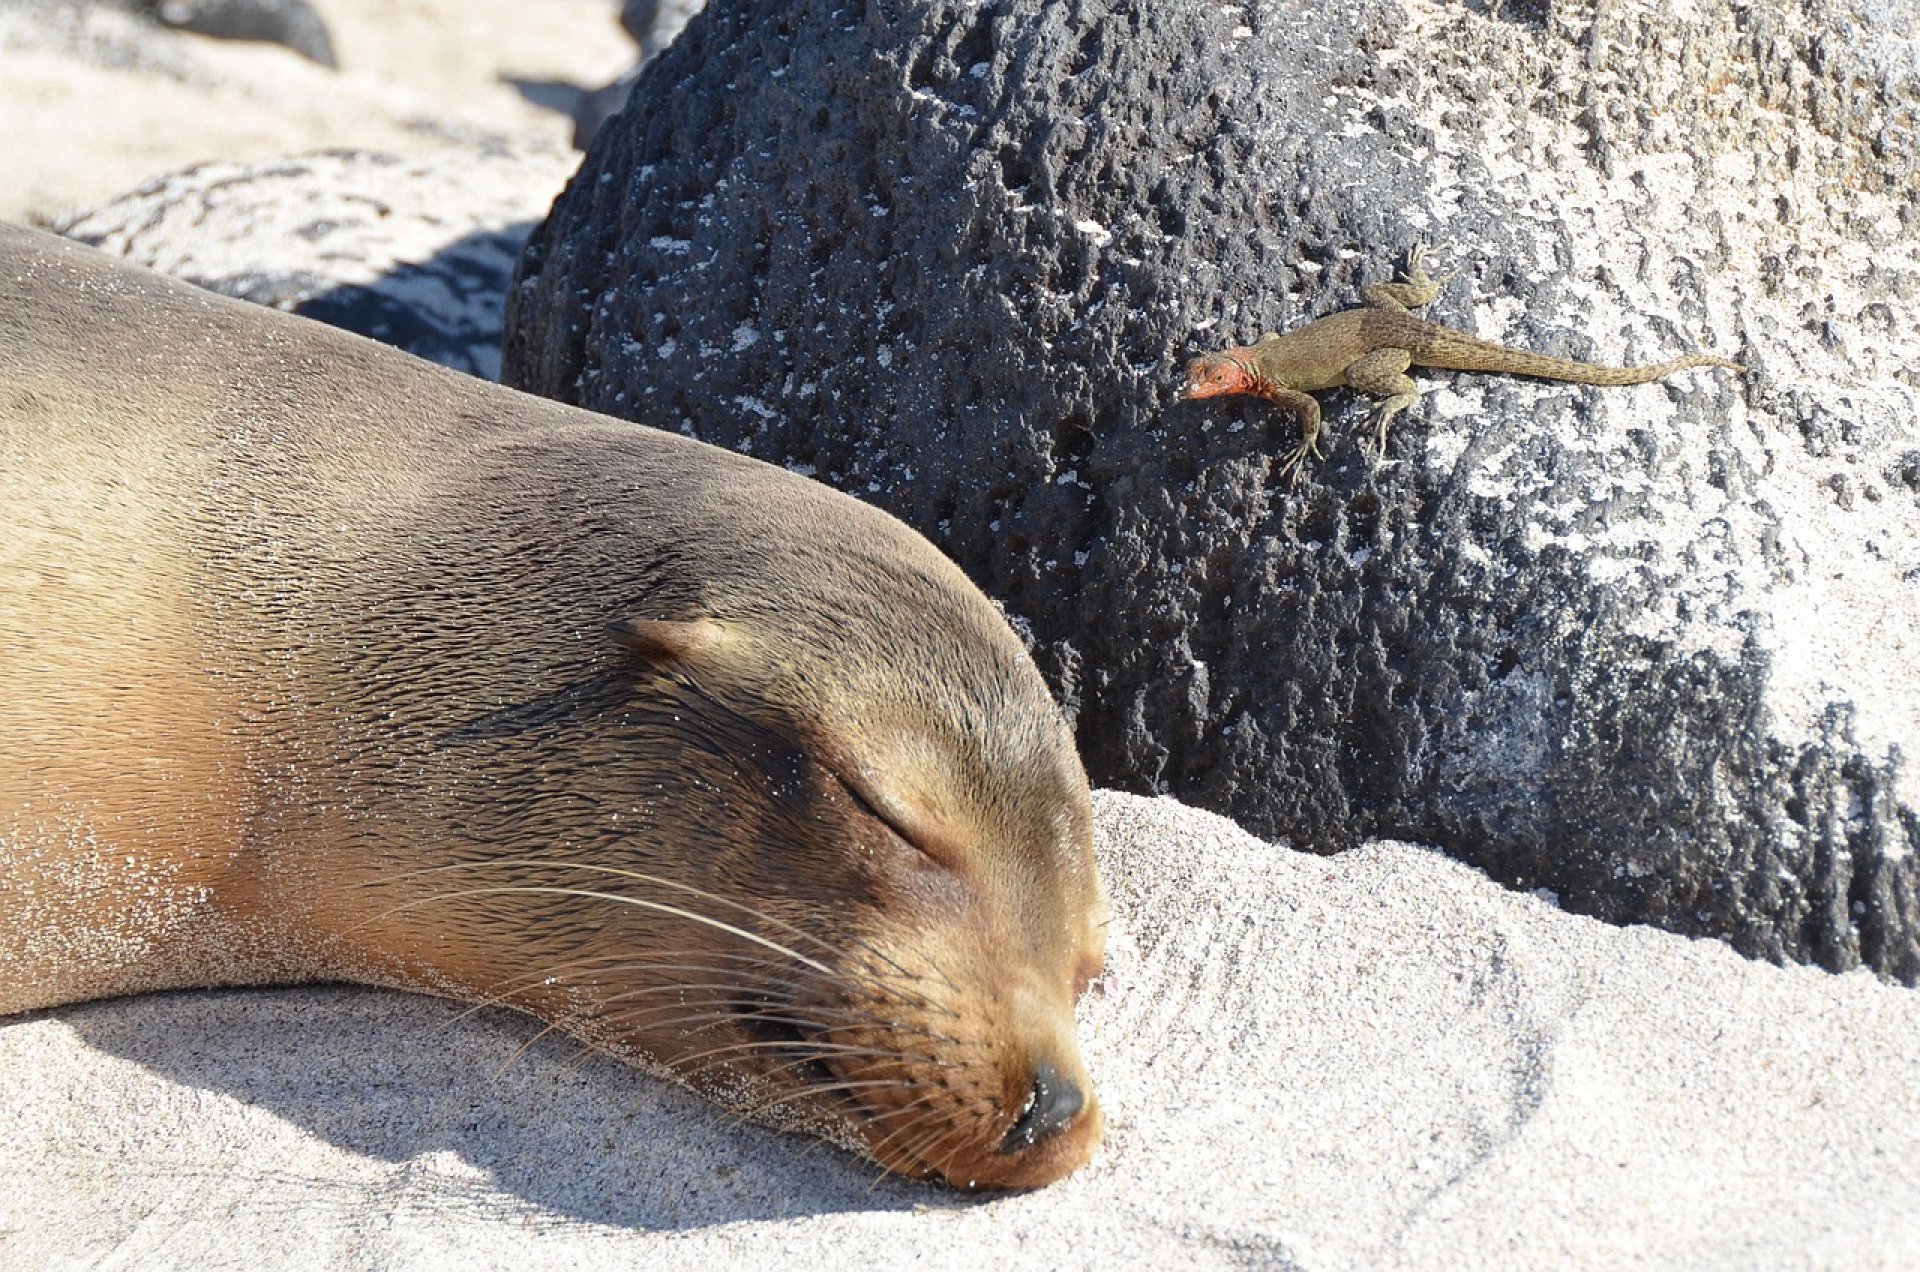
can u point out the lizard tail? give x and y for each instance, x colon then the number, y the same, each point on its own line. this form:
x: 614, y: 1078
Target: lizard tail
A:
x: 1453, y: 351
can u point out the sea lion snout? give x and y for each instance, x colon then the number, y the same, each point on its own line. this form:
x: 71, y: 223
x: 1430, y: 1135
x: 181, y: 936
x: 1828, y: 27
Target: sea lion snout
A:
x: 1051, y: 1107
x: 981, y: 1125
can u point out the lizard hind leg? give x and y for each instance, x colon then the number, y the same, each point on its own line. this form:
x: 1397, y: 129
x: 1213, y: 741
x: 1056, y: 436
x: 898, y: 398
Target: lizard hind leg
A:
x: 1413, y: 291
x: 1382, y: 373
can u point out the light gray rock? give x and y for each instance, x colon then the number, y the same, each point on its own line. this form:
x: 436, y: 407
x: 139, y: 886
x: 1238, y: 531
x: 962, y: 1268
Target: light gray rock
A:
x: 291, y: 23
x: 1656, y: 649
x: 95, y: 100
x: 416, y: 252
x: 653, y: 24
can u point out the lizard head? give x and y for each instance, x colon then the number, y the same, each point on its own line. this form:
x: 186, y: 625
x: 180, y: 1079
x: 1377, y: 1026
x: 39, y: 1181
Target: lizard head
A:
x: 1217, y: 375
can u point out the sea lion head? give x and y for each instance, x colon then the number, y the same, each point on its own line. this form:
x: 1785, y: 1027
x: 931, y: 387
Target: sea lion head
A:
x: 816, y: 839
x: 916, y: 845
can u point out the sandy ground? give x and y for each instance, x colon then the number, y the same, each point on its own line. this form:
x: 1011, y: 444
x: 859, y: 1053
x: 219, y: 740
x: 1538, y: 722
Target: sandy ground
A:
x: 1376, y: 1061
x: 95, y: 102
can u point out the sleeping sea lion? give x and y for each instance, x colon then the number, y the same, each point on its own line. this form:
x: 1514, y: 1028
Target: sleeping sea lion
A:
x: 324, y: 663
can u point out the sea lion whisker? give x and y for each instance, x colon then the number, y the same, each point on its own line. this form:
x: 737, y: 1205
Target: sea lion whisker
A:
x: 589, y: 1047
x: 923, y: 1116
x: 709, y: 1013
x: 919, y: 1107
x: 802, y: 1056
x: 687, y: 1023
x: 709, y: 1017
x: 839, y: 1102
x: 818, y: 1090
x: 809, y: 1053
x: 588, y: 894
x: 636, y: 875
x: 585, y: 1048
x: 616, y: 963
x: 766, y: 988
x: 818, y: 1017
x: 850, y: 1016
x: 915, y: 1002
x: 505, y: 989
x: 872, y: 986
x: 562, y: 1024
x: 866, y: 944
x: 924, y: 1119
x: 591, y: 1016
x: 923, y: 1149
x: 913, y: 1108
x: 685, y: 987
x: 523, y: 1048
x: 623, y: 960
x: 751, y: 1011
x: 919, y: 1112
x: 882, y: 987
x: 818, y: 1050
x: 767, y: 976
x: 924, y: 1153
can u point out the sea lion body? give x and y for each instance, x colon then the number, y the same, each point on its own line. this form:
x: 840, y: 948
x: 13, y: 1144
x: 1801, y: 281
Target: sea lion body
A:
x: 308, y: 675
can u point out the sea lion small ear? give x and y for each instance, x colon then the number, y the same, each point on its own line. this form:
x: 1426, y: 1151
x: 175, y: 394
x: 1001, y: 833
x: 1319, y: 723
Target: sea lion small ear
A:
x: 662, y: 641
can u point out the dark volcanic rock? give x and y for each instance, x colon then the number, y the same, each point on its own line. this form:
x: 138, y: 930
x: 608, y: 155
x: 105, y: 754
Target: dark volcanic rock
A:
x: 1652, y: 648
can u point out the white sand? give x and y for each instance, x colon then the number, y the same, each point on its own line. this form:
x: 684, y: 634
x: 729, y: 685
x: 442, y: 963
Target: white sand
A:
x: 1375, y: 1061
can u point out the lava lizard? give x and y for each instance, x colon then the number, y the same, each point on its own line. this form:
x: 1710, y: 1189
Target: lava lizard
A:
x: 1371, y: 348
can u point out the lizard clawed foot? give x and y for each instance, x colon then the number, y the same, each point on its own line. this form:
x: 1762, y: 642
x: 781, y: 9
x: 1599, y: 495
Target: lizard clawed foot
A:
x: 1381, y: 418
x: 1380, y: 421
x: 1416, y: 275
x: 1296, y: 459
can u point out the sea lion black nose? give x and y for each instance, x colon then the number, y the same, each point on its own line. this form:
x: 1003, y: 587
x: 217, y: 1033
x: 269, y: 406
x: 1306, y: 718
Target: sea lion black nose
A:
x: 1051, y: 1107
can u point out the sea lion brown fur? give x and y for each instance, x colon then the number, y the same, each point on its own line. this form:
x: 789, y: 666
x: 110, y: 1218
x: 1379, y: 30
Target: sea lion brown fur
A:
x: 320, y: 662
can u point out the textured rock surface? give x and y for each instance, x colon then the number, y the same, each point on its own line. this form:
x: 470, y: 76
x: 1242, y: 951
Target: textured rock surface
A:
x: 1651, y: 648
x: 416, y: 252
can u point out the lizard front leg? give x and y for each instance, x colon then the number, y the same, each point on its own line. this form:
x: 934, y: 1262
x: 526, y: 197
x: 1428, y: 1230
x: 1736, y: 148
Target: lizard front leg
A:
x: 1382, y: 373
x: 1308, y: 410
